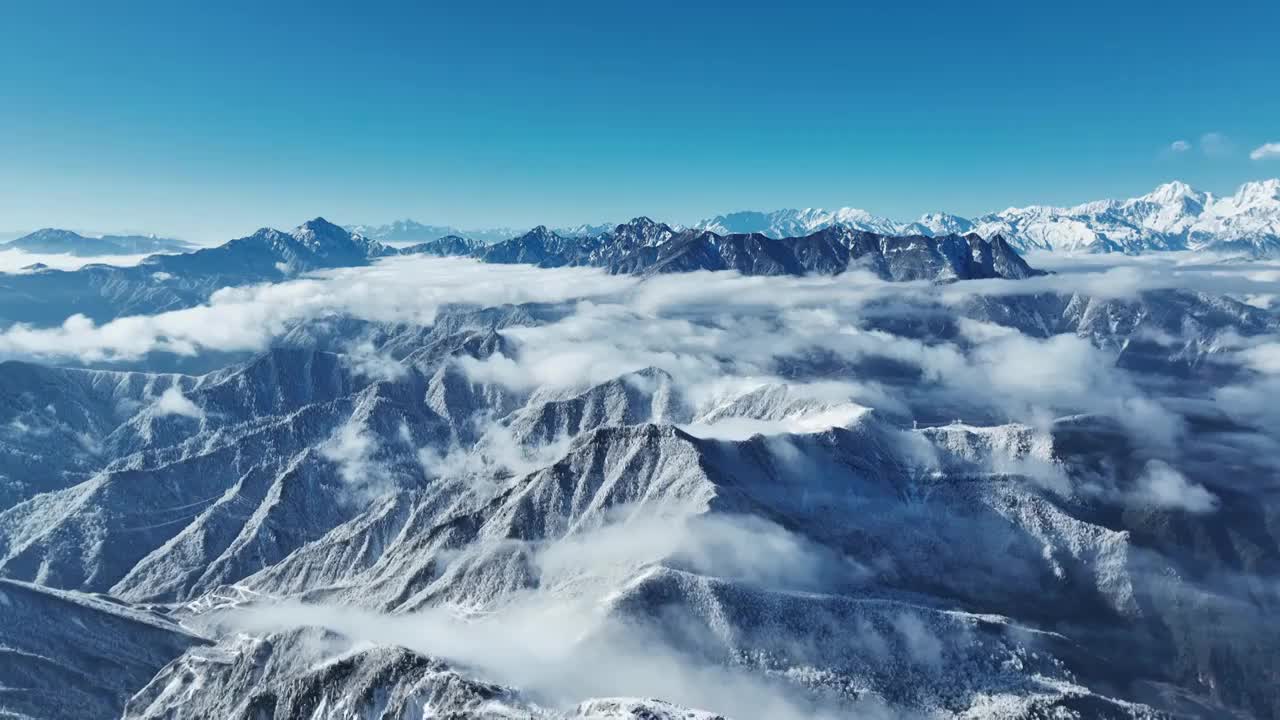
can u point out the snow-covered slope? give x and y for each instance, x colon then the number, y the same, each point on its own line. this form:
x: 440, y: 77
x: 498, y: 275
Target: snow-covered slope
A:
x: 696, y: 507
x: 68, y: 655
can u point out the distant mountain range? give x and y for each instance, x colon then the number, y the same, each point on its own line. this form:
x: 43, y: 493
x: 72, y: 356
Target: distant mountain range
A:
x: 403, y: 232
x: 936, y: 247
x: 1174, y: 216
x: 172, y: 281
x: 642, y: 246
x: 57, y: 242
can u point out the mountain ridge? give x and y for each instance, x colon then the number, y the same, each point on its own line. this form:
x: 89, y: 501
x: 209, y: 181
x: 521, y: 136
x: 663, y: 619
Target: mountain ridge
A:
x: 56, y: 241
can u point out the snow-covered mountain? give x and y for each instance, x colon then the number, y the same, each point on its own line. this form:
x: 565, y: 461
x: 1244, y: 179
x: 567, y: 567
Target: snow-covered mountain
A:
x: 864, y: 475
x: 169, y: 282
x: 1174, y: 216
x: 645, y: 247
x: 773, y: 529
x: 70, y: 654
x: 642, y: 246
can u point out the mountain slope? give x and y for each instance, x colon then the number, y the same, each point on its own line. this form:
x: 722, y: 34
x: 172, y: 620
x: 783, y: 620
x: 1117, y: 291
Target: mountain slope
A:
x: 67, y: 655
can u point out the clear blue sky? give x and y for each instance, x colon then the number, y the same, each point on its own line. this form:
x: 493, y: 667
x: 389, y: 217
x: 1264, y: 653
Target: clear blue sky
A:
x: 211, y: 119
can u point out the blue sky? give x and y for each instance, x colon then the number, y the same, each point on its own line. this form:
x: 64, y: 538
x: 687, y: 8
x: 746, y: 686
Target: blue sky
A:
x: 208, y: 120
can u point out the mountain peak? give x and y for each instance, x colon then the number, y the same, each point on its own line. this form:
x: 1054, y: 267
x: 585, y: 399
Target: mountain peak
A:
x: 319, y: 233
x: 319, y: 225
x: 1174, y: 192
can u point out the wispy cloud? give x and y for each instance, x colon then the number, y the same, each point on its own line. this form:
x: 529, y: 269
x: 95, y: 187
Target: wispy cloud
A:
x: 1163, y: 486
x: 1179, y: 146
x: 1216, y: 144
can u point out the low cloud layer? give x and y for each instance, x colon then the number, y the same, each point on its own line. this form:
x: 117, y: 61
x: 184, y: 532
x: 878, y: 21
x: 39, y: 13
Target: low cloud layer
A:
x: 20, y: 261
x: 712, y: 330
x: 412, y: 289
x: 565, y: 642
x: 947, y: 394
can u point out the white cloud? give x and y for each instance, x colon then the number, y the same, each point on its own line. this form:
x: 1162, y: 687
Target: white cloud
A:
x: 1164, y: 486
x: 248, y: 318
x: 1180, y: 146
x: 566, y: 641
x: 353, y: 449
x: 1263, y: 357
x: 411, y: 289
x: 173, y: 402
x: 702, y: 328
x: 1266, y: 151
x: 366, y: 361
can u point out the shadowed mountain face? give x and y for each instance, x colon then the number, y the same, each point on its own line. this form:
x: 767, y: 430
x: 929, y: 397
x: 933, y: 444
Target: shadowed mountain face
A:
x: 836, y: 483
